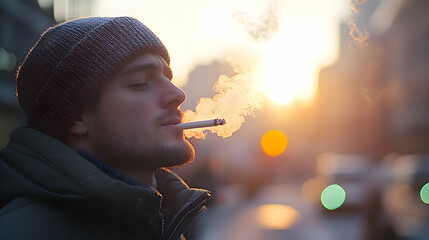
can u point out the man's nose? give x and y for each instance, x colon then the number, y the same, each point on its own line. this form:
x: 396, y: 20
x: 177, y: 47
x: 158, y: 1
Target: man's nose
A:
x: 174, y: 96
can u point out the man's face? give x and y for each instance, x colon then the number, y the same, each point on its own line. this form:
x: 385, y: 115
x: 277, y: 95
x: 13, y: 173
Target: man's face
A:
x: 133, y: 125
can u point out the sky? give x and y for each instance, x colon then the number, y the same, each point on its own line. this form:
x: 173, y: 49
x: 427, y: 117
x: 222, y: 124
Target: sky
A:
x: 292, y: 39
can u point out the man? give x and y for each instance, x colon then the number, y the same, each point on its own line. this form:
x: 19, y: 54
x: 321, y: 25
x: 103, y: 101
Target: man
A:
x: 101, y: 112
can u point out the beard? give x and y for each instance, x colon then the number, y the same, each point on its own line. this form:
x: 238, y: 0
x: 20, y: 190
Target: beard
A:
x: 168, y: 156
x: 159, y: 155
x: 135, y: 152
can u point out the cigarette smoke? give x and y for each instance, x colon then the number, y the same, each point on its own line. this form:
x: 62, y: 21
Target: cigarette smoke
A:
x: 360, y: 36
x: 237, y: 97
x: 371, y: 92
x: 355, y: 4
x: 263, y: 27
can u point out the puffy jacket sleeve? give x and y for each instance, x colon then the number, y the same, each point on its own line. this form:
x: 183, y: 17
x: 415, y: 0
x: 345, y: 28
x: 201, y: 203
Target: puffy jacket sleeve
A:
x: 25, y: 218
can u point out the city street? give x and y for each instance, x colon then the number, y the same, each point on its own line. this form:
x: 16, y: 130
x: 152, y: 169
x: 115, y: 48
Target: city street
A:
x: 242, y: 221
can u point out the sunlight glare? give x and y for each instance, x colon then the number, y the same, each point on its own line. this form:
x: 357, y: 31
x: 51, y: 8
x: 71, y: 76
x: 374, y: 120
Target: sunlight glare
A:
x: 292, y: 61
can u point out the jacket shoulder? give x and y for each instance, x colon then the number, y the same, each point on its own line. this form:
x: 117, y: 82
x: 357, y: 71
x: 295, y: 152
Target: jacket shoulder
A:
x: 27, y: 218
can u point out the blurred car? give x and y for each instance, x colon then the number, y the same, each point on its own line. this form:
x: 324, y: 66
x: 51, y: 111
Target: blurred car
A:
x: 350, y: 172
x: 402, y: 200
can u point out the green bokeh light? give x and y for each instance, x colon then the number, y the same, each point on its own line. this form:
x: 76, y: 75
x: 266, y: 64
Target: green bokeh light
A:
x: 424, y: 193
x: 333, y: 197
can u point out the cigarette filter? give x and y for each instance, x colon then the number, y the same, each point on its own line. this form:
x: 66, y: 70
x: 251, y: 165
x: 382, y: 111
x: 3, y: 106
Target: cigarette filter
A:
x: 202, y: 124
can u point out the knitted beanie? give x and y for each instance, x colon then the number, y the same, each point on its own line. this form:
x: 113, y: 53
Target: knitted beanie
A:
x: 65, y: 69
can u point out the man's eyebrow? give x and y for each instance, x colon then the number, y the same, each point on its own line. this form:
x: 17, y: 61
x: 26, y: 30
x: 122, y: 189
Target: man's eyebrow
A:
x: 141, y: 68
x: 149, y: 67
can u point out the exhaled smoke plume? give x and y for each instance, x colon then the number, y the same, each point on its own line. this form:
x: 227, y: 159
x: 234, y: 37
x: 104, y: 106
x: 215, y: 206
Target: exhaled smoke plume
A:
x: 237, y: 97
x: 360, y: 40
x: 263, y: 27
x: 372, y: 92
x: 360, y: 37
x: 355, y: 4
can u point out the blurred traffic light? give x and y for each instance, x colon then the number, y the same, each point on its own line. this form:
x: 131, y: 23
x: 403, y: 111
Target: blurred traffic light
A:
x: 333, y: 197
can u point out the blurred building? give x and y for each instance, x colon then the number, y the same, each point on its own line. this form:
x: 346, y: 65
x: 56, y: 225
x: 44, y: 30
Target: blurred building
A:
x: 350, y: 113
x: 403, y: 37
x: 21, y: 23
x: 374, y: 99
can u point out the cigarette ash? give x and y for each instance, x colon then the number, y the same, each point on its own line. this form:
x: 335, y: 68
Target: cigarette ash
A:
x: 219, y: 121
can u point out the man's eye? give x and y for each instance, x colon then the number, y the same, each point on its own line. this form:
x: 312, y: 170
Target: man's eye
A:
x: 138, y: 86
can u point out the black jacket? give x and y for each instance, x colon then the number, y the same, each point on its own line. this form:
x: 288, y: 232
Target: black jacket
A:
x: 48, y: 191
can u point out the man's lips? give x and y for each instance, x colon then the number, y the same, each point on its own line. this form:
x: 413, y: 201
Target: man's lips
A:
x: 172, y: 121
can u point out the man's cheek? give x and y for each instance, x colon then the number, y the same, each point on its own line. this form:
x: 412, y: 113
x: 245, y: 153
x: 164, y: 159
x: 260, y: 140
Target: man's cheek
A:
x: 138, y: 107
x: 120, y: 105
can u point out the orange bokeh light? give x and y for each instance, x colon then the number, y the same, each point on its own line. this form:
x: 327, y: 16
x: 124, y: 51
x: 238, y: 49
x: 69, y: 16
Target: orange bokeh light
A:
x: 274, y: 142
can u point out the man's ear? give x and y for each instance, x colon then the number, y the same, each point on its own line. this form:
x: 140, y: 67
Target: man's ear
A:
x: 79, y: 127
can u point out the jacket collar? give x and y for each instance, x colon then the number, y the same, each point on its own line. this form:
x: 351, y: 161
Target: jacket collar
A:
x: 107, y: 169
x: 180, y: 204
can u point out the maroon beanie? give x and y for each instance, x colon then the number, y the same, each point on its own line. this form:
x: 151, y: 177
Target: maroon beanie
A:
x: 64, y: 70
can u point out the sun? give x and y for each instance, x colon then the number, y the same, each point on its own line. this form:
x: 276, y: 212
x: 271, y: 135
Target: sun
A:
x: 291, y: 62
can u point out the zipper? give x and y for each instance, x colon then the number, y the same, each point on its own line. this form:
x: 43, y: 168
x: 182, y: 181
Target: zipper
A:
x: 162, y: 219
x: 201, y: 200
x: 162, y: 226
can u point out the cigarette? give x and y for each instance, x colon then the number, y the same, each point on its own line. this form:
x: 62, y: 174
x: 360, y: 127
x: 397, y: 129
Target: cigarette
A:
x: 202, y: 124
